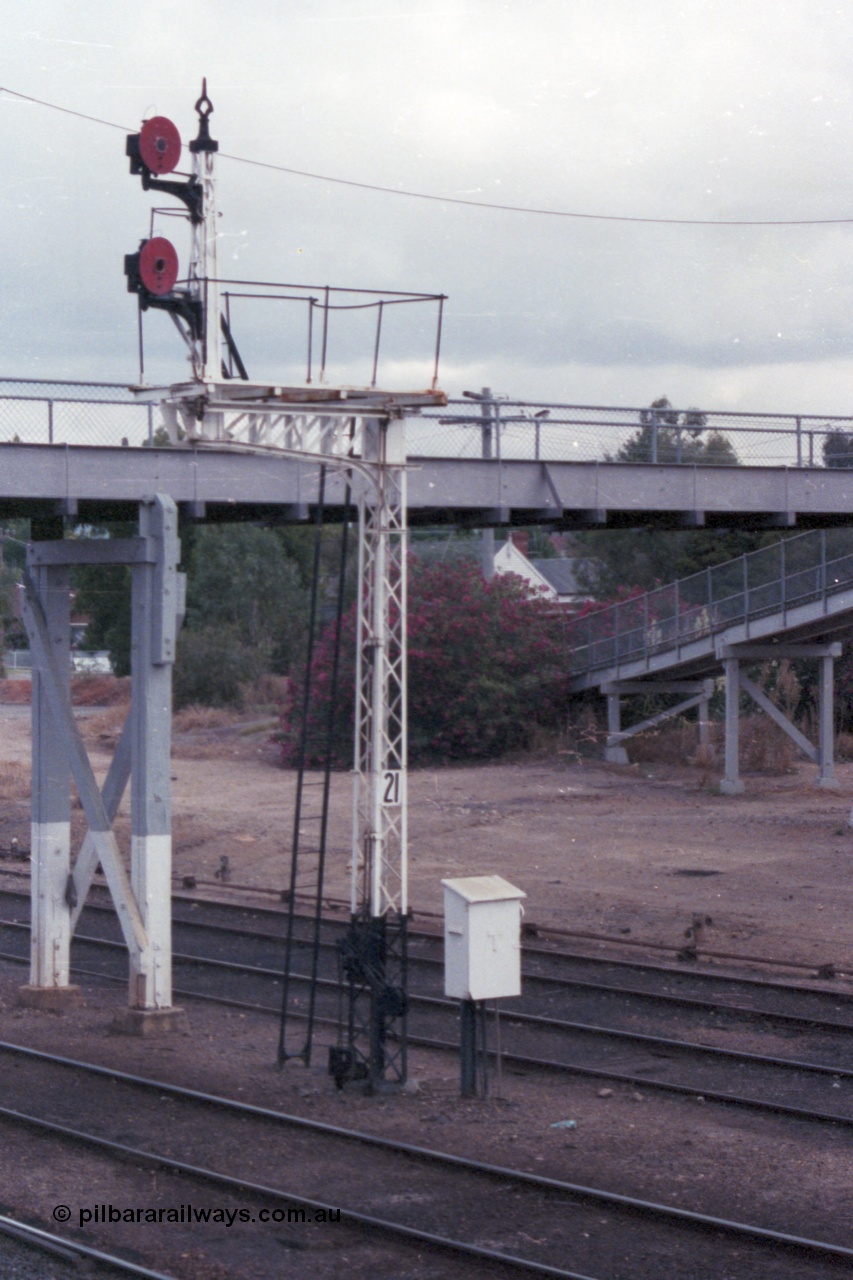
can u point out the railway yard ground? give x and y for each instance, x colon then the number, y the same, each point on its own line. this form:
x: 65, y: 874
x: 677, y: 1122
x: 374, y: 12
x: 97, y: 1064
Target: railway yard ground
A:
x: 628, y: 857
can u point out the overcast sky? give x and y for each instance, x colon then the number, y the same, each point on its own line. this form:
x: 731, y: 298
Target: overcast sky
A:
x: 699, y: 109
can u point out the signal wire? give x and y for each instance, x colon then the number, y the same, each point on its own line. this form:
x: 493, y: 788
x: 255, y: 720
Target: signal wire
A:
x: 459, y: 200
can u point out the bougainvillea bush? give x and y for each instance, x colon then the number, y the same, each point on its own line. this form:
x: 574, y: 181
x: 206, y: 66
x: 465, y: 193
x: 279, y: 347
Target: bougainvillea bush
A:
x: 485, y: 670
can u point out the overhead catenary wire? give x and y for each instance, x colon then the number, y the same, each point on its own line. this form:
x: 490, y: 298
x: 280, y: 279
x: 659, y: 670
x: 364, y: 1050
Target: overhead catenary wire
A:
x: 435, y: 198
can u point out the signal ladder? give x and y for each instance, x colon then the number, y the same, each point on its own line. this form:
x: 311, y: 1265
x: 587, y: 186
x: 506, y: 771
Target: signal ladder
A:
x: 311, y: 808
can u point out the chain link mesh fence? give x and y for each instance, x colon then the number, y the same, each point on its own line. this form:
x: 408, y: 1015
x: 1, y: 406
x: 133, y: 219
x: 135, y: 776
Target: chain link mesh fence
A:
x: 95, y: 413
x: 583, y: 433
x: 771, y: 581
x: 79, y: 413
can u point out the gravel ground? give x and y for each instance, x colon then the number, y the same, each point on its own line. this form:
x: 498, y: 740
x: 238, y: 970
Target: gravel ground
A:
x: 18, y: 1262
x: 596, y: 847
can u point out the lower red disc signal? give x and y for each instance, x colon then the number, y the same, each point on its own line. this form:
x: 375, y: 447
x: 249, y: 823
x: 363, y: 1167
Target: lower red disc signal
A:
x: 158, y: 265
x: 160, y: 145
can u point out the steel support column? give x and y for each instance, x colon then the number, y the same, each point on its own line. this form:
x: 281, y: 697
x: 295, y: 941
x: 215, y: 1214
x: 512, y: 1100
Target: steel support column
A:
x: 377, y: 950
x: 826, y: 730
x: 705, y: 722
x: 736, y: 680
x: 614, y: 751
x: 155, y: 607
x: 731, y: 783
x: 50, y: 827
x: 142, y: 899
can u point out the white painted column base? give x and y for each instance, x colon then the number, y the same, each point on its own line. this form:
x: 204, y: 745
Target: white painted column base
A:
x: 151, y: 879
x: 50, y: 938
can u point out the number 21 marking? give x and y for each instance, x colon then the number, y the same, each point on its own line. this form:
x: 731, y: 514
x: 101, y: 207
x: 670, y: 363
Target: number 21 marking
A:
x: 391, y: 787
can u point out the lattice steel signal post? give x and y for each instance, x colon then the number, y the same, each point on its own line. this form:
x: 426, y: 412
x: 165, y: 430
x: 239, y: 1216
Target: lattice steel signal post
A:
x: 359, y: 432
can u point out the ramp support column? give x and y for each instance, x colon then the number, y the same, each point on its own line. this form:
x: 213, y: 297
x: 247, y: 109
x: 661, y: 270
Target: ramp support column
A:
x: 731, y: 783
x: 736, y: 680
x: 614, y: 751
x: 826, y: 733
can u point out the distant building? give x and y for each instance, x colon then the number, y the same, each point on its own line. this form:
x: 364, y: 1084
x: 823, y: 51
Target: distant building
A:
x: 555, y: 578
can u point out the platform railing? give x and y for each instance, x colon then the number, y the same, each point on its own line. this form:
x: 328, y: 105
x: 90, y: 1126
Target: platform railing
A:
x: 771, y: 581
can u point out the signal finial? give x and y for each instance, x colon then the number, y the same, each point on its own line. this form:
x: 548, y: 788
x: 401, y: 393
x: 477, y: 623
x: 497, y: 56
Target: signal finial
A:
x: 204, y: 107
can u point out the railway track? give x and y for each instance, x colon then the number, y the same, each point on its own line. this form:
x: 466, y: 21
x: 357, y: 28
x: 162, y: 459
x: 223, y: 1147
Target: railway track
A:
x: 759, y: 1066
x: 252, y: 1159
x: 27, y: 1251
x: 260, y: 932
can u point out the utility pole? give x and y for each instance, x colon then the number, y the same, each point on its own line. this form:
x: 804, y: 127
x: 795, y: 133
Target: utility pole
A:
x: 489, y: 412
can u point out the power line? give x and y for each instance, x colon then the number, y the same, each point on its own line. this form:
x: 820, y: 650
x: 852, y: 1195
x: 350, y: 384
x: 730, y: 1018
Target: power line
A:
x: 66, y: 111
x: 459, y: 200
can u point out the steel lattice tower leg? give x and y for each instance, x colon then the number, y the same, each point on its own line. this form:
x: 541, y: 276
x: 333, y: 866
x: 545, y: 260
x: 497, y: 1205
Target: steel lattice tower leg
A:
x: 374, y: 954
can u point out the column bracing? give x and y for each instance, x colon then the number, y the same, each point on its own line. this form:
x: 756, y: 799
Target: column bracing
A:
x: 142, y: 897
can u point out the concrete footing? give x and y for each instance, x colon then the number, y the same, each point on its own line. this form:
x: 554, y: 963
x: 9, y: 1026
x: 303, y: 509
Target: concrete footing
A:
x: 150, y: 1023
x: 616, y: 755
x: 731, y: 787
x: 51, y: 999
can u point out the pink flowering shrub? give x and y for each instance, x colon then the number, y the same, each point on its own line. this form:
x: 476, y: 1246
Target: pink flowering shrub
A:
x: 485, y: 663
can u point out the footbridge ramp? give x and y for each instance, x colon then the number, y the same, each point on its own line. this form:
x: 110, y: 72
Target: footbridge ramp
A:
x: 790, y: 600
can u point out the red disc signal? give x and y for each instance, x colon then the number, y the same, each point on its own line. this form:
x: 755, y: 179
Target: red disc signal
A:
x: 158, y: 266
x: 160, y: 145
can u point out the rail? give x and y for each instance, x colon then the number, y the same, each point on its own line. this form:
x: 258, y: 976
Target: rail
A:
x: 34, y: 411
x: 799, y: 570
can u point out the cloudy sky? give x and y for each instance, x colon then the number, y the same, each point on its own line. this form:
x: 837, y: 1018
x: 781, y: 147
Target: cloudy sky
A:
x: 717, y: 111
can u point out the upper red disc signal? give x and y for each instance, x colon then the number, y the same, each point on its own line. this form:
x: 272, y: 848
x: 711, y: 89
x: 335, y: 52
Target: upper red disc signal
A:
x: 160, y: 145
x: 158, y: 265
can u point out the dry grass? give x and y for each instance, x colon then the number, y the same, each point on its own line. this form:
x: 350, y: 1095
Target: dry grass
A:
x: 197, y: 719
x: 86, y: 691
x: 15, y: 692
x: 14, y: 781
x: 104, y: 730
x: 267, y: 693
x: 764, y: 747
x: 673, y: 742
x: 198, y: 733
x: 585, y: 733
x: 100, y: 691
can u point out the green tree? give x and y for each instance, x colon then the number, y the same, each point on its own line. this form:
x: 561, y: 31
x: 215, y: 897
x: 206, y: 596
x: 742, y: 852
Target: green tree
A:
x: 246, y: 586
x: 485, y: 664
x: 837, y: 448
x: 241, y: 577
x: 668, y: 435
x: 13, y: 540
x: 102, y: 594
x: 625, y: 558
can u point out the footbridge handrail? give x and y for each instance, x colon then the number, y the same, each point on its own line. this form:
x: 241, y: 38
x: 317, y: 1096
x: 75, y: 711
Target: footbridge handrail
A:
x: 53, y: 411
x: 777, y: 579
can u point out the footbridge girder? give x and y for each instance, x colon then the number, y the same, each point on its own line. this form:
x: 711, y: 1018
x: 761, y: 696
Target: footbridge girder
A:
x: 97, y: 483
